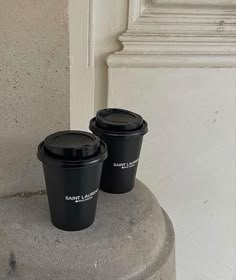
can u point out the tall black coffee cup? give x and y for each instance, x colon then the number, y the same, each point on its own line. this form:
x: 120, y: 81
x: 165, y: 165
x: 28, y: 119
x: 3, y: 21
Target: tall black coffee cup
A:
x: 72, y: 164
x: 123, y: 132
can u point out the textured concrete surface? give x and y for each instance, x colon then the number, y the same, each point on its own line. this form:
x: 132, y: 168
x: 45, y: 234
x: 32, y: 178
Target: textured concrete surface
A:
x: 131, y: 239
x: 34, y: 84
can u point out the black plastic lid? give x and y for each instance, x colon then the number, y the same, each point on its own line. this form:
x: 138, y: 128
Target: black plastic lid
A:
x: 118, y: 119
x: 118, y: 122
x: 72, y: 144
x: 71, y: 147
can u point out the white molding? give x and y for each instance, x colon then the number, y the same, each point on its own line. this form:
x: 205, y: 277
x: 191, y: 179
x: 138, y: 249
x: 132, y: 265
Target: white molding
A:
x: 177, y: 3
x: 82, y: 94
x: 172, y: 35
x: 136, y: 8
x: 90, y: 34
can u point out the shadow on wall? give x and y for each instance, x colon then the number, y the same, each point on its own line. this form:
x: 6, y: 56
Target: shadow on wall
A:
x: 35, y: 87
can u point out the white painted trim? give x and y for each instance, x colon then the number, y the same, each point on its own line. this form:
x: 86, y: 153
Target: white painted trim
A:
x: 81, y: 63
x: 172, y: 61
x: 136, y: 8
x: 184, y: 3
x: 190, y: 35
x: 91, y: 20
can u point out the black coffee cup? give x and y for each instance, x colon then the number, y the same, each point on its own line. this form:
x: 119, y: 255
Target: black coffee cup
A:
x: 123, y: 132
x: 72, y: 164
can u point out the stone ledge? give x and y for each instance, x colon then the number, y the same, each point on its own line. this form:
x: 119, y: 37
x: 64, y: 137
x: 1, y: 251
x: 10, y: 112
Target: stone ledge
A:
x: 131, y: 239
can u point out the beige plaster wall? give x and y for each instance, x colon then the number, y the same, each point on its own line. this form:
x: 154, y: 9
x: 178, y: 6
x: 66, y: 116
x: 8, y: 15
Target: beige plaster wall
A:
x: 34, y: 86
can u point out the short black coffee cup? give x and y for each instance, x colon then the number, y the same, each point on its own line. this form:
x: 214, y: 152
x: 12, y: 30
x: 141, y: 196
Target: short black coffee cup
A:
x: 123, y: 132
x: 72, y: 164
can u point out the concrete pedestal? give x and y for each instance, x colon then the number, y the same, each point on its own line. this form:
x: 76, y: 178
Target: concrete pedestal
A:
x: 131, y: 239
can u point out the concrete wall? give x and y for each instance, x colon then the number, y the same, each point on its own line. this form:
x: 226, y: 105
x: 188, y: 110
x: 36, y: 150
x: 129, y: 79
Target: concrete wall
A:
x: 34, y: 86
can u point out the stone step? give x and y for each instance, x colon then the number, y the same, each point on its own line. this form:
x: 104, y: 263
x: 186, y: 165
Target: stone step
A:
x: 132, y: 239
